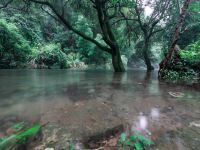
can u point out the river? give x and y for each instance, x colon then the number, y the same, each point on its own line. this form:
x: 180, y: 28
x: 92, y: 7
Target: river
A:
x: 82, y: 103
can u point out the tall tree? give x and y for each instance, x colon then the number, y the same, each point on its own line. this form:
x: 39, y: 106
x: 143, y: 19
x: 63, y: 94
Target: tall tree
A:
x: 166, y: 60
x: 102, y: 8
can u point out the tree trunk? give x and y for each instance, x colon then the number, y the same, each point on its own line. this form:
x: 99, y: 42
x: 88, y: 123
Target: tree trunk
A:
x: 117, y: 61
x: 108, y: 36
x: 166, y: 60
x: 146, y: 55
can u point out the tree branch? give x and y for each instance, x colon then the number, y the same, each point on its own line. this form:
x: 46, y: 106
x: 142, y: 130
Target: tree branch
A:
x: 70, y: 27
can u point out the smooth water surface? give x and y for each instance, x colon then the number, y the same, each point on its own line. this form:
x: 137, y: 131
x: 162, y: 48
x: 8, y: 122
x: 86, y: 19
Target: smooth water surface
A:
x: 84, y: 102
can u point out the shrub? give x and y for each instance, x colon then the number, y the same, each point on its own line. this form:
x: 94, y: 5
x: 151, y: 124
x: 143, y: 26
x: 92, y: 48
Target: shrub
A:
x: 49, y: 56
x: 74, y: 60
x: 172, y: 75
x: 14, y: 48
x: 191, y: 52
x: 134, y: 141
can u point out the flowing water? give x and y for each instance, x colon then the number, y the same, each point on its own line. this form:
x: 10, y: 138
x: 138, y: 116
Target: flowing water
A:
x: 84, y: 103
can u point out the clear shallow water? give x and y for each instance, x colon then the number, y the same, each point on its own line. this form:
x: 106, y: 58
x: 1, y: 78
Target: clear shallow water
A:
x: 84, y: 102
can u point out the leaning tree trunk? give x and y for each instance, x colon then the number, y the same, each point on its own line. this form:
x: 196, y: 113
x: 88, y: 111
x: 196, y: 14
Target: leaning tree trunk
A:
x: 146, y: 55
x: 166, y: 60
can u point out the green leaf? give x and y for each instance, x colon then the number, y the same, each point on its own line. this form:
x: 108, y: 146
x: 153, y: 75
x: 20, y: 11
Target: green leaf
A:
x: 129, y: 143
x: 71, y: 146
x: 144, y: 140
x: 29, y: 132
x: 19, y: 137
x: 132, y: 137
x: 138, y: 146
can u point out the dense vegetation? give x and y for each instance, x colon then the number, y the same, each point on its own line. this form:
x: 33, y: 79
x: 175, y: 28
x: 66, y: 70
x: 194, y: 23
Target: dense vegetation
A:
x: 101, y: 33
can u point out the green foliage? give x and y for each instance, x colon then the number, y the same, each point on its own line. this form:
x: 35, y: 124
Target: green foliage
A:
x: 195, y: 6
x: 135, y: 141
x: 74, y: 60
x: 14, y: 48
x: 29, y: 27
x: 190, y: 56
x: 191, y: 53
x: 191, y: 25
x: 20, y: 137
x: 90, y: 52
x: 175, y: 76
x: 185, y: 65
x: 50, y: 55
x: 29, y: 132
x: 71, y: 147
x: 171, y: 75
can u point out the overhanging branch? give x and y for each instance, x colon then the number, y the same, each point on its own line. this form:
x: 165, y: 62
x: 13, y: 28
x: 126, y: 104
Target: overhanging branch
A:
x: 70, y: 27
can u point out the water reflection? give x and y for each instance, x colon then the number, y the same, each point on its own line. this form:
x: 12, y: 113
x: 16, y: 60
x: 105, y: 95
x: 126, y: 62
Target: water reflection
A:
x: 155, y: 113
x: 117, y: 80
x: 59, y: 85
x: 24, y: 87
x: 147, y: 77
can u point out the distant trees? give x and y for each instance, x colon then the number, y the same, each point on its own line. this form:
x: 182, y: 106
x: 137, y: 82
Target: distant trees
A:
x: 148, y: 18
x: 151, y: 17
